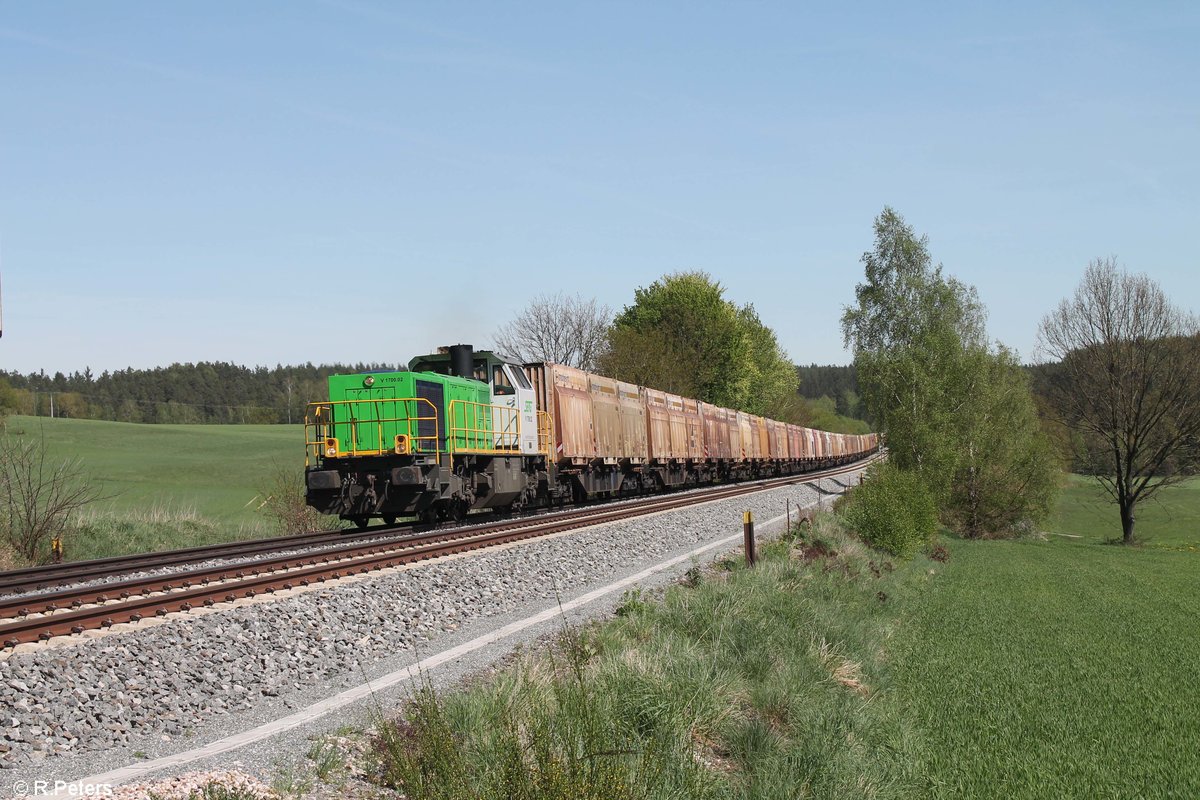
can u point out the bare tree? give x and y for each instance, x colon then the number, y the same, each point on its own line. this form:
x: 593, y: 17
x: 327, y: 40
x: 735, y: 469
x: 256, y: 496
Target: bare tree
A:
x: 558, y: 328
x: 1127, y: 383
x: 37, y: 496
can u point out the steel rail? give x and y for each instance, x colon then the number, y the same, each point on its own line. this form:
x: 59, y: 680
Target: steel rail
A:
x: 34, y: 579
x: 164, y: 594
x: 75, y: 596
x: 42, y: 577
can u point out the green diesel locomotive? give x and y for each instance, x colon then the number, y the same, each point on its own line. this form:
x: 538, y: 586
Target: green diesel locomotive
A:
x: 459, y: 430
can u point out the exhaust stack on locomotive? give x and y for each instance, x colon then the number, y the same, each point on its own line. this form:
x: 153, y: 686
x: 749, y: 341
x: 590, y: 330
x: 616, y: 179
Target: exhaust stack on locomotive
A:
x: 462, y: 360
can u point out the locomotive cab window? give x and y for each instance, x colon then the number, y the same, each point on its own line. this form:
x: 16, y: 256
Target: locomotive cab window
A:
x: 519, y: 376
x: 500, y: 382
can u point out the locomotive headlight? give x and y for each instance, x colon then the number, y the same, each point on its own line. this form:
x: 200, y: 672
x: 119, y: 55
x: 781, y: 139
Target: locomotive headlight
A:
x: 331, y: 448
x: 369, y: 381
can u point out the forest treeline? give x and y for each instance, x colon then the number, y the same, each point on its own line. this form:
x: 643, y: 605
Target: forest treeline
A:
x: 208, y: 392
x: 832, y: 382
x: 224, y: 393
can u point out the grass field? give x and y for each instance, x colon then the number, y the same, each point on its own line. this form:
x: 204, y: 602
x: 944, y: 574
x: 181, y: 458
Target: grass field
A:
x: 1055, y: 667
x: 168, y: 485
x: 1169, y: 521
x: 1056, y: 670
x: 1064, y: 668
x: 214, y: 470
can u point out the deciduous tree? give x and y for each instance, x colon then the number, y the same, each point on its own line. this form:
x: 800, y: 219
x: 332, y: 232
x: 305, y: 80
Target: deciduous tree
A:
x: 682, y: 335
x: 562, y: 329
x: 1006, y: 472
x: 910, y: 331
x: 955, y: 411
x: 1127, y: 382
x: 9, y: 400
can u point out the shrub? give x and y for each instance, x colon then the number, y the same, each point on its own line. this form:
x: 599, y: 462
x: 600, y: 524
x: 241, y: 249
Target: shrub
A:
x: 281, y: 499
x: 892, y: 510
x: 38, y: 496
x: 1007, y: 474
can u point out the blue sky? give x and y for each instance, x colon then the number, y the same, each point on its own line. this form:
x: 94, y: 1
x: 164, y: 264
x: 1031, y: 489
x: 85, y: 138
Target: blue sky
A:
x: 339, y: 181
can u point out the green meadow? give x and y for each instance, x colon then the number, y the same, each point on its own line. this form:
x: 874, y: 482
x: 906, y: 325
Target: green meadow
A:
x: 1063, y: 668
x: 1170, y: 521
x: 167, y: 485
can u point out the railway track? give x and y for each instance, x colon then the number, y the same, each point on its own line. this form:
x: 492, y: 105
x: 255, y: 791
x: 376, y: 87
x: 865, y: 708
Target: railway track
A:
x: 32, y: 579
x: 36, y: 578
x: 74, y: 609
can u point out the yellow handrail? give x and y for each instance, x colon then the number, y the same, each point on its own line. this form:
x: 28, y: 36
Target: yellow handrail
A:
x: 321, y: 427
x: 483, y: 428
x: 545, y: 432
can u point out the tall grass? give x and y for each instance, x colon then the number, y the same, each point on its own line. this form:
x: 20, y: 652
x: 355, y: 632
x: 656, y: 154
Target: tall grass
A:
x: 98, y: 533
x: 559, y: 727
x: 747, y: 683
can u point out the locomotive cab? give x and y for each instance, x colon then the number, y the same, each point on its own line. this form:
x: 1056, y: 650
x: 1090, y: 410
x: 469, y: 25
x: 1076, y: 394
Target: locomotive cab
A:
x: 508, y: 386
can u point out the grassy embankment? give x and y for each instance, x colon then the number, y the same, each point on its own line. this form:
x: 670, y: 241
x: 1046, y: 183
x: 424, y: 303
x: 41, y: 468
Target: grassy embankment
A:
x: 167, y: 486
x: 1062, y: 667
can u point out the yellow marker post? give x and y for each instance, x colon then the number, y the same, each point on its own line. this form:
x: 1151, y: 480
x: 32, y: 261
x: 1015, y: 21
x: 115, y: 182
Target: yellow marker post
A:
x: 748, y: 537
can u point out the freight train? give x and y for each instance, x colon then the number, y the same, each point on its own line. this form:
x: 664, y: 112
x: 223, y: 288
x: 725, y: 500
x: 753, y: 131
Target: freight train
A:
x: 462, y: 430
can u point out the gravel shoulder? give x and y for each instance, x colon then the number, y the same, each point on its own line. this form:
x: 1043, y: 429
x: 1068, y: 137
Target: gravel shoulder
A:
x: 136, y: 696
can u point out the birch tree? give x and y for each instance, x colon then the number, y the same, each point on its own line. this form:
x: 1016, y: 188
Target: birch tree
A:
x: 955, y: 410
x: 910, y: 332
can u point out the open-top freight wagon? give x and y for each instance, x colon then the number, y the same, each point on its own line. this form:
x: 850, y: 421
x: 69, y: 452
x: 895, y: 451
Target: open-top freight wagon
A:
x: 463, y: 430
